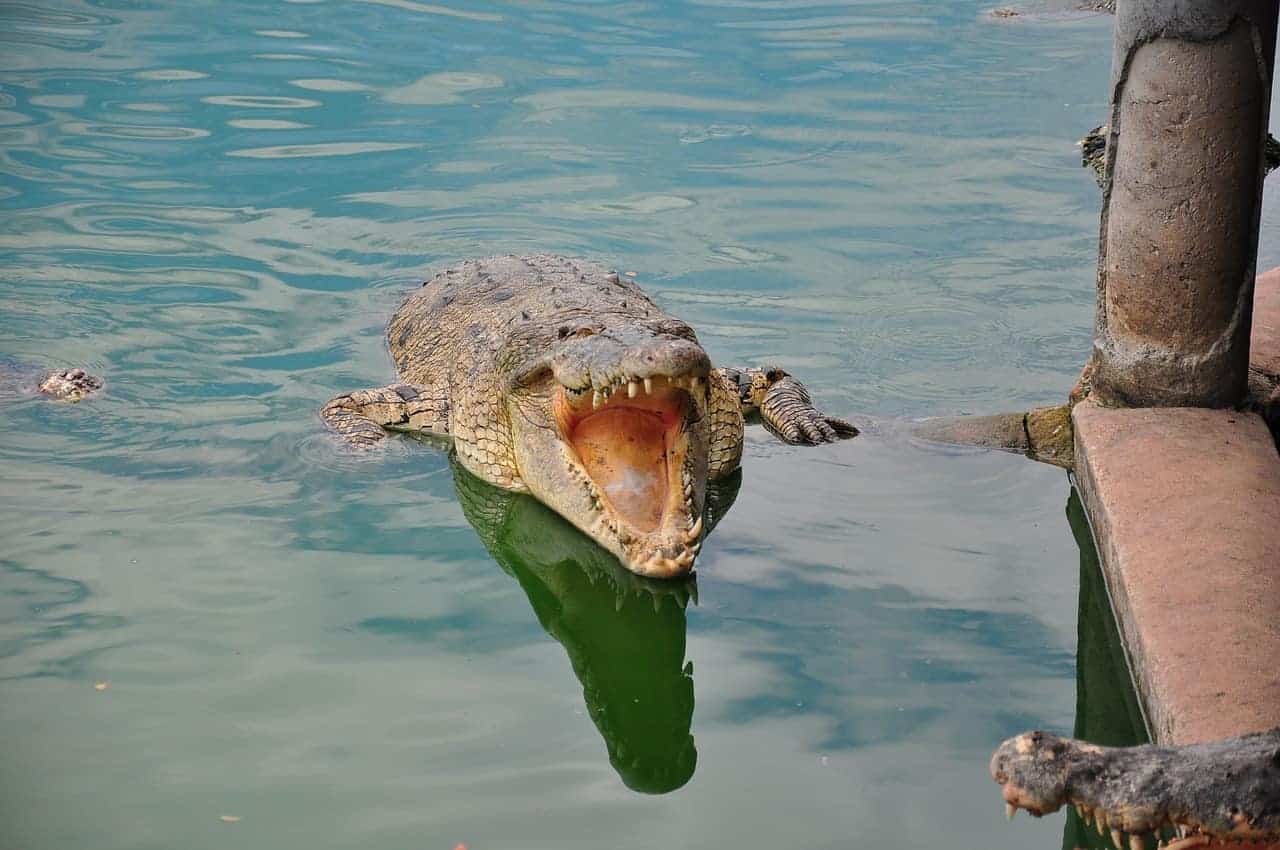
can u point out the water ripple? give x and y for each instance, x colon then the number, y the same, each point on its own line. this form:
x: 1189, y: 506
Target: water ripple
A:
x: 261, y: 101
x: 323, y: 149
x: 217, y: 207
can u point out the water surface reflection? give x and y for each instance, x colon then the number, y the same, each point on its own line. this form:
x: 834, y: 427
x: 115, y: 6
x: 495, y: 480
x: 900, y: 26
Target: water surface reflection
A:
x: 625, y: 635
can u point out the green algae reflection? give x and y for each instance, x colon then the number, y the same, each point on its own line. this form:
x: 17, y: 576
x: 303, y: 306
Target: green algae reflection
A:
x: 625, y: 635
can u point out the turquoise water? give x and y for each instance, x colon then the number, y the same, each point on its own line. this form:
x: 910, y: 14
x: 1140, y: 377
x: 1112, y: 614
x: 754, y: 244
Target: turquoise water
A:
x: 216, y: 207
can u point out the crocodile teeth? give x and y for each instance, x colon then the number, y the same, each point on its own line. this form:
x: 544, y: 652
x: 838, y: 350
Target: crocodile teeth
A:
x: 632, y: 389
x: 685, y: 558
x: 1117, y: 838
x: 1010, y: 810
x: 695, y: 384
x: 595, y: 398
x: 648, y: 385
x: 659, y: 562
x: 694, y: 532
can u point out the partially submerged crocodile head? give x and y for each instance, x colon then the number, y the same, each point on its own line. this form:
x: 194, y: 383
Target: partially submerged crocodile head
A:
x: 1202, y: 795
x: 608, y: 428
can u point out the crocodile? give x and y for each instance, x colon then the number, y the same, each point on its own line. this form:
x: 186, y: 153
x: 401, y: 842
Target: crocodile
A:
x: 561, y: 378
x: 70, y: 384
x: 1220, y: 793
x: 19, y: 379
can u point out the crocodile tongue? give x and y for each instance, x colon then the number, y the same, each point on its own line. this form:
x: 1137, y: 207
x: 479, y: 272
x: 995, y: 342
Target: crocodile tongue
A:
x: 624, y: 450
x: 632, y: 445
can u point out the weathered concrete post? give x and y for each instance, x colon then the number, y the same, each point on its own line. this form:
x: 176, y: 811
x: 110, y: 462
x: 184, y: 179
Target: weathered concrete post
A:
x: 1190, y: 97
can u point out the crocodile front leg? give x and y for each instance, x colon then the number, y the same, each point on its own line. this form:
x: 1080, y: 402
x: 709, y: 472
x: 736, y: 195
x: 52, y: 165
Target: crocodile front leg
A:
x: 365, y: 417
x: 785, y: 407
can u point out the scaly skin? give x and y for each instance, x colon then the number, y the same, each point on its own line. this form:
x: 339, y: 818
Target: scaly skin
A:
x: 1207, y: 795
x: 19, y: 379
x: 70, y: 385
x: 559, y: 378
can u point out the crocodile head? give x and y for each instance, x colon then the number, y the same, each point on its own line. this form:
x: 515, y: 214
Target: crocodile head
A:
x: 609, y: 429
x: 1222, y: 793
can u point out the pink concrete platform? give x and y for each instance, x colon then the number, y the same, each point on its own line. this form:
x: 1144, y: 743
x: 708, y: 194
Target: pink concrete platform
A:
x: 1264, y: 341
x: 1185, y: 506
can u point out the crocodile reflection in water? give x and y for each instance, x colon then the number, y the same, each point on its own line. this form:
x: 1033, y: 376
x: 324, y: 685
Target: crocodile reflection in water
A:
x: 624, y: 634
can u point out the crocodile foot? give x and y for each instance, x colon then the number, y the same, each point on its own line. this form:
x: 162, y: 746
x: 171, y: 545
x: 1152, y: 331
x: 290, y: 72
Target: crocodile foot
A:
x: 1207, y: 795
x: 70, y: 384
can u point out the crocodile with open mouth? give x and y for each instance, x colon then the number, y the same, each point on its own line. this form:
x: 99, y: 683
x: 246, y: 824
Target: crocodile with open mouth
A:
x: 562, y: 379
x: 1218, y: 794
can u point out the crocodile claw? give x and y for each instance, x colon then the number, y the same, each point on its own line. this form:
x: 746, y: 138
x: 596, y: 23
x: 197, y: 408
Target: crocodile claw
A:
x: 788, y: 412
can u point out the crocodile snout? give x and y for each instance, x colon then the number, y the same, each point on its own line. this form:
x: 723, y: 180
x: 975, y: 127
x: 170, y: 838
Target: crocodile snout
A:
x: 669, y: 357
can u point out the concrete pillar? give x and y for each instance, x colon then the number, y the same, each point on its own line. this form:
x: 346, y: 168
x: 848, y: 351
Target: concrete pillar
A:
x: 1190, y: 97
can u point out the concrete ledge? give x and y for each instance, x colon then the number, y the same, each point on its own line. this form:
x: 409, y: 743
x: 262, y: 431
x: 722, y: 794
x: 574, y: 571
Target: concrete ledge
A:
x: 1185, y: 505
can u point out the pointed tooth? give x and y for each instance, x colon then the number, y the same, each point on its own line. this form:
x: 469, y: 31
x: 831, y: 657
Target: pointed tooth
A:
x: 632, y: 389
x: 685, y: 558
x: 1117, y: 839
x: 695, y: 531
x: 648, y: 385
x: 596, y: 398
x: 1101, y: 820
x: 1010, y: 810
x: 695, y: 547
x: 695, y: 384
